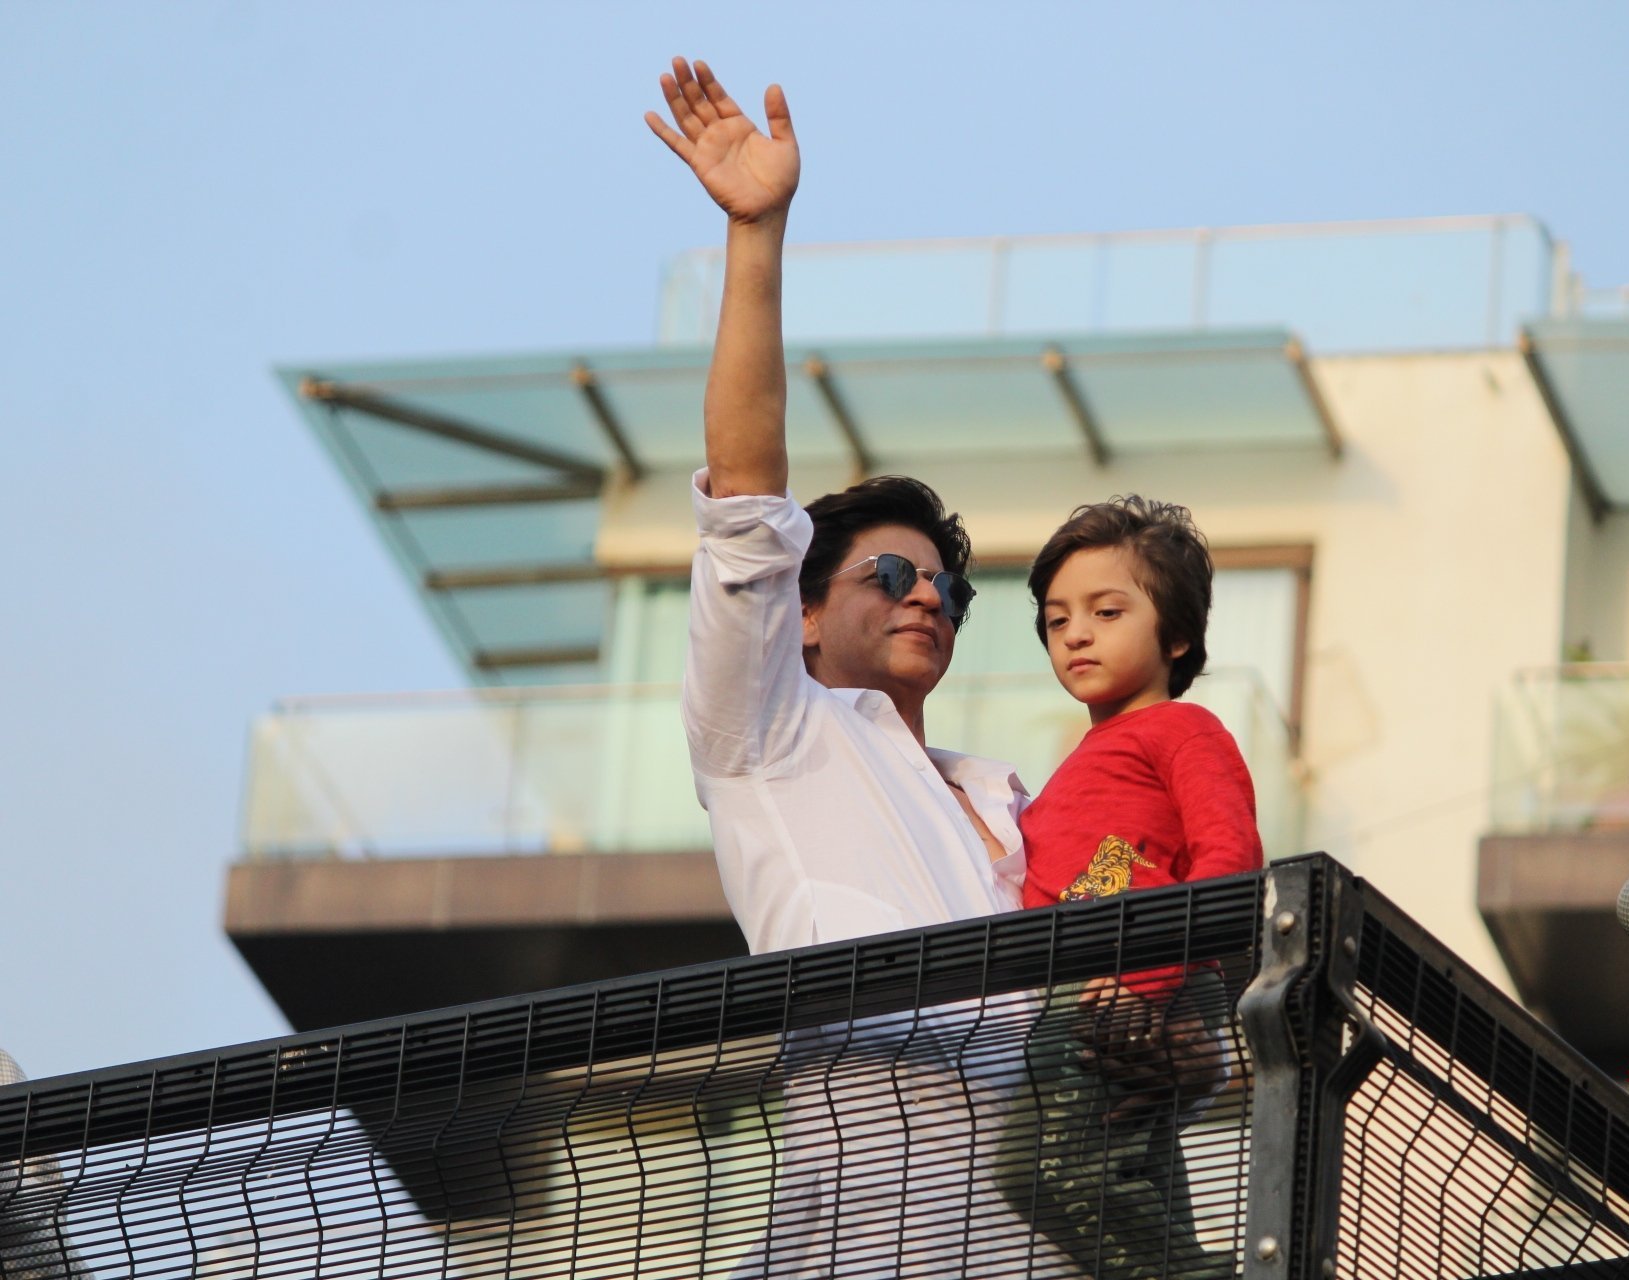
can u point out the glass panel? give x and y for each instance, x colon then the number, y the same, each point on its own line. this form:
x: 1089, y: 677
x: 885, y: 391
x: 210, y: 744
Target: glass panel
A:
x: 955, y: 405
x: 812, y: 433
x: 482, y: 537
x: 688, y: 311
x: 660, y: 412
x: 1524, y: 280
x: 1052, y: 287
x: 1385, y: 285
x: 1146, y: 284
x: 1587, y: 364
x: 864, y: 292
x: 397, y: 457
x: 559, y: 614
x: 1359, y: 291
x: 608, y: 769
x: 543, y: 408
x: 1561, y: 750
x: 1195, y: 400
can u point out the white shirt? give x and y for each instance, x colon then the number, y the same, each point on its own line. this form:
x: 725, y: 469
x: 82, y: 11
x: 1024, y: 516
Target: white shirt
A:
x: 829, y: 820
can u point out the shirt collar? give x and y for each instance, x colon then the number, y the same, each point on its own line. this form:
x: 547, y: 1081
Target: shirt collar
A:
x: 953, y: 766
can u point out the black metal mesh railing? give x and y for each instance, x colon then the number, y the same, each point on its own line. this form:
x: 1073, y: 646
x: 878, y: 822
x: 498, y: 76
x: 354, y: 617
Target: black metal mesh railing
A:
x: 926, y: 1104
x: 1477, y: 1146
x: 1057, y: 1093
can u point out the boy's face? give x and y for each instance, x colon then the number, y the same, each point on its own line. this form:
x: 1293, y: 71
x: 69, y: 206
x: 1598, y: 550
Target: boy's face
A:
x: 1102, y: 634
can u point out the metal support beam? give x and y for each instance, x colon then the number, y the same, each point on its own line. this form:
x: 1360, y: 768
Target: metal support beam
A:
x: 1594, y: 492
x: 386, y: 410
x: 1296, y: 354
x: 542, y: 656
x: 1057, y: 365
x: 582, y: 377
x: 819, y: 373
x: 523, y: 575
x: 531, y: 575
x: 487, y: 495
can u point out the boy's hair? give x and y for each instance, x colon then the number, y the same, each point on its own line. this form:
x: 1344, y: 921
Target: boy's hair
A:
x: 839, y: 518
x: 1173, y: 566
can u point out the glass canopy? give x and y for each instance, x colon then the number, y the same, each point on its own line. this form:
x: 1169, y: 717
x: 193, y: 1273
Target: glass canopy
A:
x: 484, y: 475
x: 1582, y: 370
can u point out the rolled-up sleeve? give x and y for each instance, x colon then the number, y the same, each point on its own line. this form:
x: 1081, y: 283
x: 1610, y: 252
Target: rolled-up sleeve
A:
x: 745, y: 691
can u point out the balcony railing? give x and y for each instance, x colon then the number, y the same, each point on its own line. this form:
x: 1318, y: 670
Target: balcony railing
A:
x: 1400, y: 284
x: 926, y: 1104
x: 1561, y: 750
x: 606, y: 769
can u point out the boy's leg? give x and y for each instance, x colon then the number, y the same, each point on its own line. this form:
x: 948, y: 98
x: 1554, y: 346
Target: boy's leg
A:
x: 1110, y: 1189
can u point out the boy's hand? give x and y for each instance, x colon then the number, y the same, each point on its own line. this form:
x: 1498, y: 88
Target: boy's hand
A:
x: 1159, y: 1051
x: 751, y: 177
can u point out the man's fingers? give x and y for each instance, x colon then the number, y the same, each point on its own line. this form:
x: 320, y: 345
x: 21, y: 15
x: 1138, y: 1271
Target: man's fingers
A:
x: 720, y: 100
x: 694, y: 96
x: 683, y: 116
x: 778, y: 114
x: 680, y: 145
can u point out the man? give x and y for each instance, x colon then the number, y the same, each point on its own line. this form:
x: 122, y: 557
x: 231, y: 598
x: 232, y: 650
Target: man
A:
x: 815, y: 640
x: 805, y: 713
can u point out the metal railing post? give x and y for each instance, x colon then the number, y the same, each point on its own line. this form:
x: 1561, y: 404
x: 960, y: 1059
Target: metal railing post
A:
x: 1296, y: 1016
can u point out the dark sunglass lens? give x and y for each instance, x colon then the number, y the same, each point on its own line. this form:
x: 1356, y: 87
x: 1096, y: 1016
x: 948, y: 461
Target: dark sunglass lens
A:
x: 955, y: 594
x: 895, y: 575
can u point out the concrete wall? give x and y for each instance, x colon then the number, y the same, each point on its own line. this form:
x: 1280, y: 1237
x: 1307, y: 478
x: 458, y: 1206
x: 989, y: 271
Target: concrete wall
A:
x: 1441, y: 540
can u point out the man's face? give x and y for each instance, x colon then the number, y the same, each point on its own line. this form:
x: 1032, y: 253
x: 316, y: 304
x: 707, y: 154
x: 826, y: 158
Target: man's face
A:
x: 858, y: 638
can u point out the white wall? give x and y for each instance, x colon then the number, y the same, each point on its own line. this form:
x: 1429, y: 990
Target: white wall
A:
x: 1440, y: 543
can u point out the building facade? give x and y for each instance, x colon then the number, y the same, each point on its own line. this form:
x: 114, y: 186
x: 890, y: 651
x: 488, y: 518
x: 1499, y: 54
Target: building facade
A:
x: 1405, y: 441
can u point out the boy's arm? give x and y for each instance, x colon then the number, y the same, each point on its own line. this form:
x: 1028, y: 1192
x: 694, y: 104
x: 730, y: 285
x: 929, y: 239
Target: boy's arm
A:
x: 1210, y: 786
x: 752, y: 177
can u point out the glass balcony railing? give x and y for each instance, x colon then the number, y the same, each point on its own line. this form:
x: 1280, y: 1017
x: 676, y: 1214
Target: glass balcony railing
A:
x: 1561, y: 750
x: 1399, y: 284
x: 605, y: 768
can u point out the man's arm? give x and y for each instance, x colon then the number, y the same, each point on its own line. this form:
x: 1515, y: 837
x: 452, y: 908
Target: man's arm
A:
x: 752, y: 177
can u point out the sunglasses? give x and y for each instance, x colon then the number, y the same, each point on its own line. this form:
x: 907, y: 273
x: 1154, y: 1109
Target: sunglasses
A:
x: 896, y: 576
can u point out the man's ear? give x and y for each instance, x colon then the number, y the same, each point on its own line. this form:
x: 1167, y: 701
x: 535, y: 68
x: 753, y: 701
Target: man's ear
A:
x: 811, y: 627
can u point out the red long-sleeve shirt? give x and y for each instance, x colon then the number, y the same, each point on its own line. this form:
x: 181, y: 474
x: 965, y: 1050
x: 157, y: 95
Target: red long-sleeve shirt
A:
x: 1151, y: 797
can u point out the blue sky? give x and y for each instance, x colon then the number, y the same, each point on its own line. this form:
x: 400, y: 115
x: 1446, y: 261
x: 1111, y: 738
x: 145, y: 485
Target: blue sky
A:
x: 191, y: 193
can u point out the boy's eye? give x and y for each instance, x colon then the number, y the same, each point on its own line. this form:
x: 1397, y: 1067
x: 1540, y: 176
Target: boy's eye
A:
x: 1109, y: 613
x: 1052, y: 624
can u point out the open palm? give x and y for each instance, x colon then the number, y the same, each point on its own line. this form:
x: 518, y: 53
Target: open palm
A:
x: 750, y: 175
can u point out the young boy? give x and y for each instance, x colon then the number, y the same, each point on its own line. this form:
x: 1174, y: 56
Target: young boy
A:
x: 1155, y: 794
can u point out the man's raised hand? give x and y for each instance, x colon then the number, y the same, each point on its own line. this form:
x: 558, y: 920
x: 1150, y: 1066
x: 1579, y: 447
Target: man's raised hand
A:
x: 750, y: 175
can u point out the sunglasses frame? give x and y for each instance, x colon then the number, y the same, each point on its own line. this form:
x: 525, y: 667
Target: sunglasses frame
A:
x: 910, y: 573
